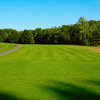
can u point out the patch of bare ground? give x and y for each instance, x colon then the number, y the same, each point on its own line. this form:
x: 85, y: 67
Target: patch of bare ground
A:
x: 92, y: 48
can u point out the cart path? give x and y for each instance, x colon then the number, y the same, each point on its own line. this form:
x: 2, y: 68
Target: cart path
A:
x: 6, y: 52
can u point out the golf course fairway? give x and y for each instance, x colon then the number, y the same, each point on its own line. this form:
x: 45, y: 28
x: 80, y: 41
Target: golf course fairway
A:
x: 49, y: 72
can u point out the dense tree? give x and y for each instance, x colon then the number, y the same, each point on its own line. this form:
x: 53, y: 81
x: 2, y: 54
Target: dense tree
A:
x: 13, y: 37
x: 27, y: 37
x: 95, y: 38
x: 3, y: 36
x: 82, y: 33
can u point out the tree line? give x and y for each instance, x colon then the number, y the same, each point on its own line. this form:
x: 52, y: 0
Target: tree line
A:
x: 82, y: 33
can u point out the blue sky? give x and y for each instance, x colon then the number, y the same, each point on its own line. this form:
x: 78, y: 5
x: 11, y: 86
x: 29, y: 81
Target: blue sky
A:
x: 30, y: 14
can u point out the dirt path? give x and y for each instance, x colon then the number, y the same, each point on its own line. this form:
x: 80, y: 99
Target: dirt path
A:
x: 6, y: 52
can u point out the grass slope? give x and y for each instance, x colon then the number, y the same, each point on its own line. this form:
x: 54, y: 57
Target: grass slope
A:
x: 50, y: 72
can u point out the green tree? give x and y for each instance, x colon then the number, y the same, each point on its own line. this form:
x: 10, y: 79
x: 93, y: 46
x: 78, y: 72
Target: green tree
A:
x: 81, y: 20
x: 3, y: 35
x: 84, y: 35
x: 94, y: 30
x: 27, y: 37
x: 13, y: 37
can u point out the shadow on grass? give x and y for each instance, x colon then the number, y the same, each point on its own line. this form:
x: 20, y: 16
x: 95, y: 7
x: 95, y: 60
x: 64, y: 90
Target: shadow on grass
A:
x: 6, y: 96
x: 63, y: 91
x: 97, y: 83
x: 66, y: 91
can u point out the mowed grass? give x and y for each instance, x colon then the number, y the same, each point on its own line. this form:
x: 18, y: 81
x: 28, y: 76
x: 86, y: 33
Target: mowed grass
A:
x: 50, y: 72
x: 5, y: 46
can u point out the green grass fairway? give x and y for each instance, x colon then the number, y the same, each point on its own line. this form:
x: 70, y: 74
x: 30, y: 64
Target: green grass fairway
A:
x: 50, y: 72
